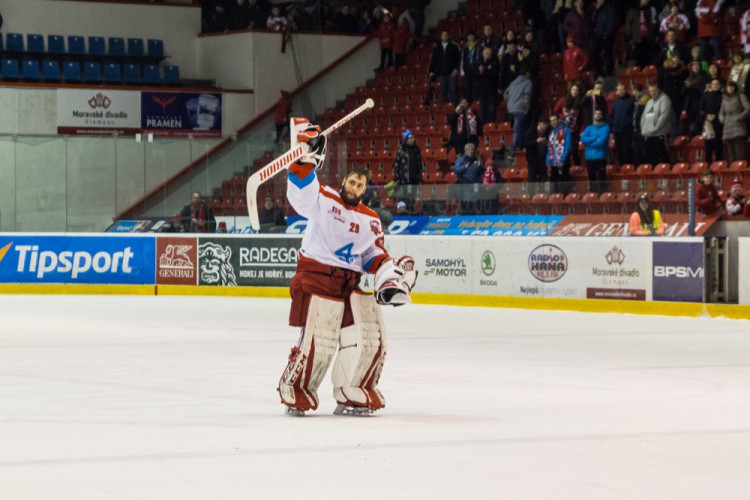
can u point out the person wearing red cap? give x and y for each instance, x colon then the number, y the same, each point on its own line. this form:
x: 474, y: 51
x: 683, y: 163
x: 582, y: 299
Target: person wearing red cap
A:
x: 737, y: 202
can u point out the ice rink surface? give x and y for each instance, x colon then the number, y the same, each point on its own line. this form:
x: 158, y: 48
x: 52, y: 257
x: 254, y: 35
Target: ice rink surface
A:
x: 110, y: 397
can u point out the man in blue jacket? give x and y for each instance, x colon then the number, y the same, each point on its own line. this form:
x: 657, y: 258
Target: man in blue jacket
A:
x: 468, y: 168
x: 621, y: 117
x: 596, y: 139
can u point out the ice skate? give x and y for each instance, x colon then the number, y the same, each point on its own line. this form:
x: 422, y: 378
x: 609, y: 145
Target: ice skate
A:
x: 352, y: 411
x: 294, y: 412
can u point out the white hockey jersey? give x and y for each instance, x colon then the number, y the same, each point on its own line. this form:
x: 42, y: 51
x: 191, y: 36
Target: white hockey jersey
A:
x: 337, y: 234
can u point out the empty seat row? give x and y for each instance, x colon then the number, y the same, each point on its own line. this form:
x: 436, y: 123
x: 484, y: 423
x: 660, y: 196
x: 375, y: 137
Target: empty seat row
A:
x: 97, y: 45
x: 92, y: 72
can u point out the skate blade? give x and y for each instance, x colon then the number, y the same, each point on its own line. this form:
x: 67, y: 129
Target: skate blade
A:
x: 294, y: 412
x: 352, y: 411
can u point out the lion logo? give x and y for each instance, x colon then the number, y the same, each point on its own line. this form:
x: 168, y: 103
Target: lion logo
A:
x: 215, y: 268
x: 176, y: 257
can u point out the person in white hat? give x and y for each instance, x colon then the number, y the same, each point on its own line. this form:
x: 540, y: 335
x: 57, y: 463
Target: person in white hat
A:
x: 737, y: 202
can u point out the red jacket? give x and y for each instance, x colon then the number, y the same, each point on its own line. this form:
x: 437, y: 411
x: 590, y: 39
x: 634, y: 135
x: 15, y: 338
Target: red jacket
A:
x: 385, y: 33
x: 707, y: 199
x: 401, y: 38
x: 574, y: 58
x: 707, y: 12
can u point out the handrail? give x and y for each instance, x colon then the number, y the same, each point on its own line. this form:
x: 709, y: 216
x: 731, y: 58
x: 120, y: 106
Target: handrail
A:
x: 252, y: 123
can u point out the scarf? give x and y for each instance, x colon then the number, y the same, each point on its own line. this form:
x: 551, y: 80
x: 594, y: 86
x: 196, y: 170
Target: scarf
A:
x: 461, y: 124
x: 199, y: 214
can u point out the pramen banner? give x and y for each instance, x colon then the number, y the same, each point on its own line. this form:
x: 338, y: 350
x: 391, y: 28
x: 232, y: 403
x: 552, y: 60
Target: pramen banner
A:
x: 179, y: 114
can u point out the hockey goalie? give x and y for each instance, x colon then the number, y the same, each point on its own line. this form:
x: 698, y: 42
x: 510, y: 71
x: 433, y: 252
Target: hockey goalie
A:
x: 339, y: 323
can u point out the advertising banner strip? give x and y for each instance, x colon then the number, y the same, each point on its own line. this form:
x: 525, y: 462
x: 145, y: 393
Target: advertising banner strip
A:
x: 492, y: 225
x: 179, y: 114
x: 98, y: 111
x: 617, y: 225
x: 77, y: 259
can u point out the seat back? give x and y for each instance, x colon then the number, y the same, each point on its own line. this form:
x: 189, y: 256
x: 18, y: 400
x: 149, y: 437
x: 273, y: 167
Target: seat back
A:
x: 71, y: 71
x: 135, y: 47
x: 151, y: 74
x: 50, y: 70
x: 76, y: 45
x: 10, y: 69
x: 14, y: 42
x: 131, y: 73
x: 55, y: 44
x: 92, y: 72
x: 115, y: 46
x: 155, y: 48
x: 35, y: 43
x: 30, y: 69
x: 97, y: 46
x: 172, y: 75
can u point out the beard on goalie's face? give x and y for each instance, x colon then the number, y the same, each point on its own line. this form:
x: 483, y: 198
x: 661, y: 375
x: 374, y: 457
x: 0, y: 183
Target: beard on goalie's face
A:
x: 352, y: 188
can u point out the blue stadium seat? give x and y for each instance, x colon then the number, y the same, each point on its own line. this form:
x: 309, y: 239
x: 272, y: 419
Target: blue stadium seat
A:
x: 116, y: 46
x: 35, y: 43
x: 14, y: 42
x: 112, y: 73
x: 30, y: 69
x: 155, y: 48
x: 50, y: 70
x: 131, y: 73
x: 172, y: 75
x: 76, y: 45
x: 55, y: 44
x: 92, y: 72
x: 71, y: 71
x: 96, y: 46
x: 135, y: 47
x: 10, y: 69
x: 152, y: 74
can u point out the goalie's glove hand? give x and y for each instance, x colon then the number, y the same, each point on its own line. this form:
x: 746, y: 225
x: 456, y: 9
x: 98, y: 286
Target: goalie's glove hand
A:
x: 394, y: 281
x: 313, y: 144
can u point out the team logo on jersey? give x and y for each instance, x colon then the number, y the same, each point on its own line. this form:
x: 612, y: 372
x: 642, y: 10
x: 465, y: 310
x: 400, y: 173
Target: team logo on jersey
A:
x: 215, y: 268
x: 375, y: 227
x: 336, y: 212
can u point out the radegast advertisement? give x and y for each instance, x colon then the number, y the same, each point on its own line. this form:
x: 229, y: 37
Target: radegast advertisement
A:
x: 179, y: 114
x: 232, y: 261
x: 77, y: 259
x: 678, y: 271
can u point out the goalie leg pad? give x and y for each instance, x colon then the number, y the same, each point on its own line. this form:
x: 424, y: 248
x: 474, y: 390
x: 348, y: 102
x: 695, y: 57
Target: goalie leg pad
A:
x: 358, y: 365
x: 310, y: 359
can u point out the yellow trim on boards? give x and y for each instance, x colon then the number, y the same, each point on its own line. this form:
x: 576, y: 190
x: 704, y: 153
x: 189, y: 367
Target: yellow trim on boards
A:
x: 732, y: 311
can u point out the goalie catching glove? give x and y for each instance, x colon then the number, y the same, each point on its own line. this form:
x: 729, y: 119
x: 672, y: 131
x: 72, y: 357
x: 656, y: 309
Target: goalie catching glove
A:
x: 311, y: 140
x: 394, y: 281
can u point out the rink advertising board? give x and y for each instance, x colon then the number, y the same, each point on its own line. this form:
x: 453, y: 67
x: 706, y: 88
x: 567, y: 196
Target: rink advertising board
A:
x: 179, y: 114
x: 98, y: 111
x: 234, y: 261
x: 176, y: 260
x: 491, y: 225
x: 678, y: 271
x: 743, y: 270
x: 617, y: 225
x: 407, y: 225
x: 77, y: 259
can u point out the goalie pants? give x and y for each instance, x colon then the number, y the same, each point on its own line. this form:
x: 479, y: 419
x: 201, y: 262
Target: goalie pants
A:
x: 320, y: 279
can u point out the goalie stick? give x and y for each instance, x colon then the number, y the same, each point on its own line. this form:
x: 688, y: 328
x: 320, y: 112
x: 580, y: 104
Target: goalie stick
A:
x: 283, y: 162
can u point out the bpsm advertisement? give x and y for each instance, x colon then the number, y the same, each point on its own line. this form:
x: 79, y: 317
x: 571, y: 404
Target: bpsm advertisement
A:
x: 77, y: 259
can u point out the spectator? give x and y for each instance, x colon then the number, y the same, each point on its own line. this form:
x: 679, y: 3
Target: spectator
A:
x: 281, y: 119
x: 490, y: 175
x: 489, y: 39
x: 737, y: 203
x: 509, y: 63
x: 386, y: 218
x: 401, y: 209
x: 197, y: 216
x: 575, y: 61
x: 258, y: 12
x: 740, y: 70
x: 221, y: 227
x: 468, y: 167
x: 536, y: 152
x: 604, y: 38
x: 415, y: 10
x: 445, y: 65
x: 407, y: 163
x: 401, y: 41
x: 518, y: 98
x: 670, y: 49
x: 576, y: 24
x: 707, y: 200
x: 272, y: 219
x: 487, y: 83
x: 674, y: 74
x: 528, y: 62
x: 596, y: 140
x: 558, y: 154
x: 510, y: 38
x: 344, y: 21
x: 655, y: 125
x: 695, y: 85
x: 569, y: 108
x: 714, y: 73
x: 276, y: 22
x: 216, y: 19
x: 645, y: 221
x: 557, y: 20
x: 732, y: 114
x: 708, y: 110
x: 465, y: 126
x: 239, y: 15
x: 640, y: 98
x: 593, y: 100
x: 641, y: 28
x: 386, y: 32
x: 470, y: 57
x: 621, y: 117
x: 676, y: 21
x: 745, y: 31
x: 365, y: 24
x: 707, y: 13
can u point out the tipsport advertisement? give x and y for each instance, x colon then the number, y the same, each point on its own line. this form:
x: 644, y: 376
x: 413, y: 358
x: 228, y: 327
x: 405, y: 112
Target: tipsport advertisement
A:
x: 77, y: 259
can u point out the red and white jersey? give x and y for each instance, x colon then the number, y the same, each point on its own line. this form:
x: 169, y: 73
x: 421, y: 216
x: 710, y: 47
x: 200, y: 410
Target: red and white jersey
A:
x: 681, y: 20
x: 337, y: 234
x: 745, y: 30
